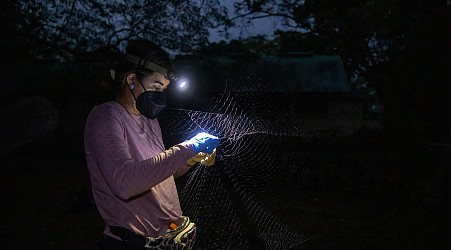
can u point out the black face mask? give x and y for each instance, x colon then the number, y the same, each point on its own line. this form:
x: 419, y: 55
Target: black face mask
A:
x: 151, y: 103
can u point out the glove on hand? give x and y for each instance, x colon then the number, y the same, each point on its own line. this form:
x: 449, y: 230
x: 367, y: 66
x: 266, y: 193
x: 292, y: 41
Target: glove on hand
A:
x: 204, y: 159
x: 204, y: 142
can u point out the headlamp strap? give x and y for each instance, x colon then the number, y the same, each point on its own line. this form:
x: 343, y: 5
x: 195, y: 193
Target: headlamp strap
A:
x: 146, y: 64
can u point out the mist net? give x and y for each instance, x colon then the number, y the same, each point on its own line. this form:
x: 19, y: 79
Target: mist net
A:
x: 260, y: 194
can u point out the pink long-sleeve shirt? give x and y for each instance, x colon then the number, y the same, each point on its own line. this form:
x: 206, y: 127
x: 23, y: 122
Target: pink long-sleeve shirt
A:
x: 132, y: 176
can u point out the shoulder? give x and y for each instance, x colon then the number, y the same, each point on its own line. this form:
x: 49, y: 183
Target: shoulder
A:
x: 106, y: 112
x: 103, y: 124
x: 107, y: 108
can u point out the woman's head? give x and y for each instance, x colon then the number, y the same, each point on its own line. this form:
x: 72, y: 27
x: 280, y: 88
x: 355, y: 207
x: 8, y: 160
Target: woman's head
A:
x: 140, y: 50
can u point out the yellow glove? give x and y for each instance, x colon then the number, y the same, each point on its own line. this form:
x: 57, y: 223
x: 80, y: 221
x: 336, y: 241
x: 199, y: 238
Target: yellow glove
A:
x: 204, y: 159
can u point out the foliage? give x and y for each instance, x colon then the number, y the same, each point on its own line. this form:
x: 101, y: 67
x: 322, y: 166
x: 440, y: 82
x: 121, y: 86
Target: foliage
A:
x: 71, y: 29
x: 392, y: 49
x: 11, y: 45
x: 252, y: 46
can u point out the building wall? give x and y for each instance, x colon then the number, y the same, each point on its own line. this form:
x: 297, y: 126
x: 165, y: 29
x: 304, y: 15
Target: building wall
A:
x: 318, y: 116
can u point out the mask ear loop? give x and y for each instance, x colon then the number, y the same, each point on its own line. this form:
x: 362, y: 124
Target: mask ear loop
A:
x: 132, y: 86
x: 142, y: 85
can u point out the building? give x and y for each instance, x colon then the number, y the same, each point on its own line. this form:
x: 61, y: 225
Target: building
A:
x: 302, y: 92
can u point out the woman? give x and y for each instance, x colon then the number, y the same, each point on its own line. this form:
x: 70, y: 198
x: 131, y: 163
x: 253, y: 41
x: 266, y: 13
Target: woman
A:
x: 132, y: 175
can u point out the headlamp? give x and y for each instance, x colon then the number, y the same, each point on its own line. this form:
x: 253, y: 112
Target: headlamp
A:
x: 181, y: 83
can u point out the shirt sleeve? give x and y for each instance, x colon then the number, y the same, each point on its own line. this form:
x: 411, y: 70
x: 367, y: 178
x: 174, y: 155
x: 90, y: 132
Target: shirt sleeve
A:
x: 106, y: 144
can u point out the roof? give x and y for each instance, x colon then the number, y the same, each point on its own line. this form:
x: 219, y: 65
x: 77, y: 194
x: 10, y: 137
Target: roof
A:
x: 289, y: 73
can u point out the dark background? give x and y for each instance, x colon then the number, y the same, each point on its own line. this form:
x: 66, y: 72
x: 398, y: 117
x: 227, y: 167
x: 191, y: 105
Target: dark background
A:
x: 393, y: 185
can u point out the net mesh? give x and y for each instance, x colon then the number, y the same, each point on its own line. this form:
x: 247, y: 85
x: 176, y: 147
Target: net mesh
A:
x: 259, y: 194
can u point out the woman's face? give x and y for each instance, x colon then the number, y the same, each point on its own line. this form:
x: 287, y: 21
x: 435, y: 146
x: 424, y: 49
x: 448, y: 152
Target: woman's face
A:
x: 154, y: 82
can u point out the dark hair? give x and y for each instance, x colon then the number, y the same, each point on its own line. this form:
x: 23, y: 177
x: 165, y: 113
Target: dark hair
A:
x: 141, y: 48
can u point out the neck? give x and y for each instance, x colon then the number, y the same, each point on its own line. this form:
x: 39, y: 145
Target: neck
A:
x: 129, y: 104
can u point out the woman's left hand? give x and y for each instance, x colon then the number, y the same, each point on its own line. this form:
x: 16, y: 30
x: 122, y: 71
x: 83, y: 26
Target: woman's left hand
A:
x: 204, y: 159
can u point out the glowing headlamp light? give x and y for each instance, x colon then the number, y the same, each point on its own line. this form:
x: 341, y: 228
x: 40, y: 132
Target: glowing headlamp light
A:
x: 181, y: 83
